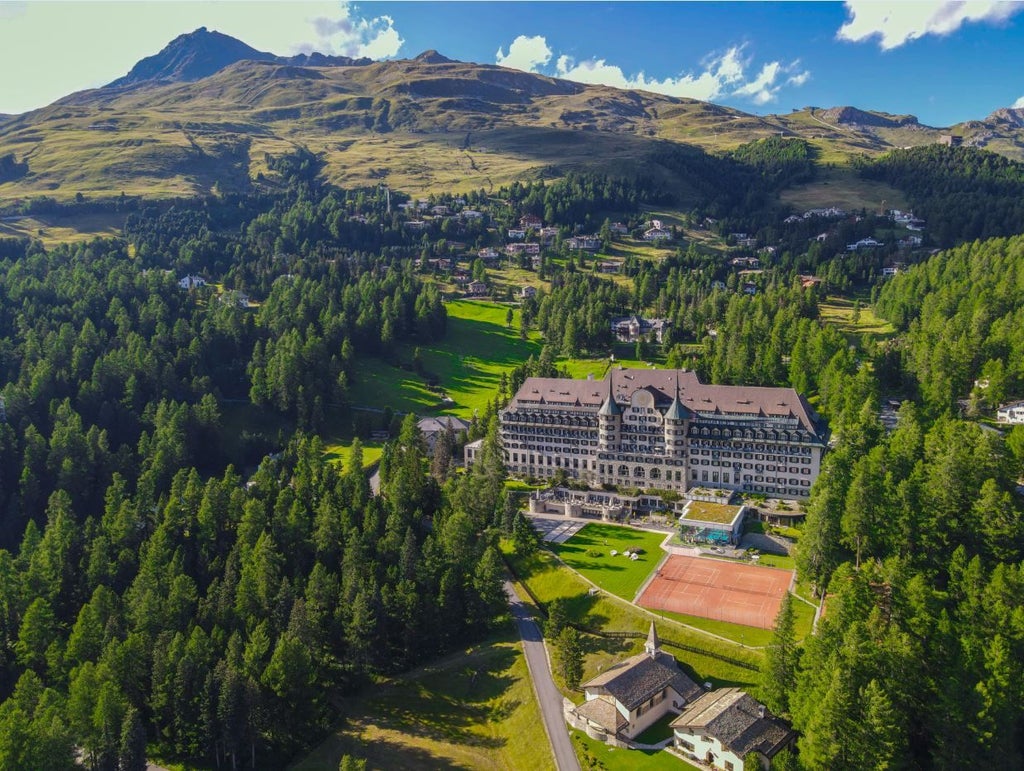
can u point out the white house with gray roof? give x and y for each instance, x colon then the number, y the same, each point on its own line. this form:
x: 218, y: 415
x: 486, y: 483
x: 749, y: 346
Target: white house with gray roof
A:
x: 722, y: 727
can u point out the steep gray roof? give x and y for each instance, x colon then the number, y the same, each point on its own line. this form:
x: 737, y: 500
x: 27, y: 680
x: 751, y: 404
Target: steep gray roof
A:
x: 604, y: 714
x: 721, y: 401
x: 431, y: 425
x: 737, y: 720
x: 640, y: 677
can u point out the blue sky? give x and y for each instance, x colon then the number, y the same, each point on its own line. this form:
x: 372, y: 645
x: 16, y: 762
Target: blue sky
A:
x: 944, y: 62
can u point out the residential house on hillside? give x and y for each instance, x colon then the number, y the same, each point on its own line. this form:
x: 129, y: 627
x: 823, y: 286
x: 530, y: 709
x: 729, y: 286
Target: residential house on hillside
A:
x: 530, y: 221
x: 1011, y: 413
x: 489, y: 254
x: 657, y: 234
x: 527, y: 292
x: 191, y: 282
x: 432, y: 428
x: 632, y: 695
x: 547, y: 235
x: 517, y: 234
x: 584, y: 243
x: 629, y: 329
x: 723, y: 727
x: 470, y: 214
x: 864, y: 243
x: 440, y: 210
x: 619, y: 229
x: 476, y: 287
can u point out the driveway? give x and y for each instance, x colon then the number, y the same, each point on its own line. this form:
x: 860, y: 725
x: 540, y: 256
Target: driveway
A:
x: 548, y: 696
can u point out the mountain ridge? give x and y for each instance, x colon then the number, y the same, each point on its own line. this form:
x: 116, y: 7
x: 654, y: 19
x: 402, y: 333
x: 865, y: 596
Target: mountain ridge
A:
x: 422, y: 124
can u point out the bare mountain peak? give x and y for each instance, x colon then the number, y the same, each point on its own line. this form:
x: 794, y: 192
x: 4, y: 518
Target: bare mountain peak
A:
x: 854, y: 116
x: 201, y: 53
x: 431, y: 56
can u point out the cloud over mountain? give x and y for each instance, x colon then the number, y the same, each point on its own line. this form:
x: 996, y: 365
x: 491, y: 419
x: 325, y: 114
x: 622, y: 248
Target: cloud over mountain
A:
x: 722, y: 74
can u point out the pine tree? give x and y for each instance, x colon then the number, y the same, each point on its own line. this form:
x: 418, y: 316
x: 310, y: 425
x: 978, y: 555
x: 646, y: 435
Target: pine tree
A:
x: 570, y: 657
x: 781, y: 660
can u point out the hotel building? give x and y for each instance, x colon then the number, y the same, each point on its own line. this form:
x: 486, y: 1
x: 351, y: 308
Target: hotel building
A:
x: 664, y: 430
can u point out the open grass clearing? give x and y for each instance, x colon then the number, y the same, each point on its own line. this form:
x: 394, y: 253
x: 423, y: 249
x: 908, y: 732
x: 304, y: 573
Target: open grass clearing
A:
x: 548, y: 579
x: 472, y: 710
x: 589, y: 552
x: 618, y: 759
x: 340, y: 452
x: 843, y: 313
x: 468, y: 364
x: 843, y: 187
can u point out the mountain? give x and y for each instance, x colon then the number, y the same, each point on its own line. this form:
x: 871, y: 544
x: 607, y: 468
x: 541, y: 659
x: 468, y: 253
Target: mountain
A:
x: 208, y: 109
x: 202, y: 53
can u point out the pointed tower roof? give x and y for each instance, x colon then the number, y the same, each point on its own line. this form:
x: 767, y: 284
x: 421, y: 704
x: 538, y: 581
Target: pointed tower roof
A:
x: 675, y: 410
x: 610, y: 406
x: 653, y: 644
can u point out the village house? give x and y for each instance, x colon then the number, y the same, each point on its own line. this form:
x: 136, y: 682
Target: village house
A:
x: 619, y: 229
x: 632, y: 695
x: 476, y: 288
x: 547, y: 235
x: 831, y: 212
x: 657, y: 234
x: 746, y: 243
x: 440, y: 210
x: 191, y: 282
x: 746, y: 262
x: 749, y: 288
x: 489, y: 254
x: 522, y: 249
x: 793, y: 218
x: 716, y: 284
x: 723, y: 727
x: 910, y: 242
x: 1012, y: 413
x: 530, y: 221
x: 470, y: 214
x: 864, y: 243
x: 517, y: 234
x: 432, y: 428
x: 584, y: 243
x: 416, y: 225
x: 608, y: 267
x: 806, y: 282
x: 629, y: 329
x: 526, y: 292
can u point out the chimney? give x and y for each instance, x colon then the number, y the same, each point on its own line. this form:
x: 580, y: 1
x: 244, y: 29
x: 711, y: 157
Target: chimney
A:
x: 760, y: 710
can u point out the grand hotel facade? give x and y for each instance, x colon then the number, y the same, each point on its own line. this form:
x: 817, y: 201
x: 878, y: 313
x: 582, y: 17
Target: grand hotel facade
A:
x: 664, y: 430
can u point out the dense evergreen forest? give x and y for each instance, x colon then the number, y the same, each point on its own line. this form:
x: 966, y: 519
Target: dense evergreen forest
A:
x: 165, y: 582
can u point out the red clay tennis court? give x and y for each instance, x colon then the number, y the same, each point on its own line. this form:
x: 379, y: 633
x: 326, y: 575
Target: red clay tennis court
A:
x: 709, y: 588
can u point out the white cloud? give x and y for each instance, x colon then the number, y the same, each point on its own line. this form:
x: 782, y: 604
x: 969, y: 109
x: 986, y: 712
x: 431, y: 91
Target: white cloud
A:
x: 350, y: 34
x: 897, y: 23
x: 1019, y: 104
x: 723, y: 74
x: 525, y: 53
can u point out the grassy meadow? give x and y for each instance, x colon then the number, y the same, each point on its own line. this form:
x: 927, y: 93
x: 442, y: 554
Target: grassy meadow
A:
x: 475, y: 709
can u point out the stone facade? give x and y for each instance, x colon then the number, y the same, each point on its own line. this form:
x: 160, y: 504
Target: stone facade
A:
x: 664, y: 430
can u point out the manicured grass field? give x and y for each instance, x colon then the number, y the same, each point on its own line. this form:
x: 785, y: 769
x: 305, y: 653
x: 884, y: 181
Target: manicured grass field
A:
x: 468, y: 363
x: 707, y: 511
x: 589, y: 553
x: 472, y: 710
x: 618, y: 759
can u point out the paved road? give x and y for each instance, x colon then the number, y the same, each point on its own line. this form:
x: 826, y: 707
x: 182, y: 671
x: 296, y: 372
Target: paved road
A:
x: 548, y: 696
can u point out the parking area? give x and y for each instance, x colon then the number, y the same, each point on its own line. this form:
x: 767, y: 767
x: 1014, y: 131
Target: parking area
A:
x: 556, y: 530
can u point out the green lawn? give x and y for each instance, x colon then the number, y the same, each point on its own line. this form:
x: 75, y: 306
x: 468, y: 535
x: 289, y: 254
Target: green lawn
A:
x: 339, y: 452
x: 618, y: 759
x: 548, y: 579
x: 657, y: 732
x: 589, y: 552
x: 472, y: 710
x: 745, y: 635
x: 840, y: 311
x: 467, y: 363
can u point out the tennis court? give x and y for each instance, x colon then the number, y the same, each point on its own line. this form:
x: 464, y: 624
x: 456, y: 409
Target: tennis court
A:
x: 724, y: 591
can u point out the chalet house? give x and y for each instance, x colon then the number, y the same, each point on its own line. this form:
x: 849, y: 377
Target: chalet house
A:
x: 722, y: 727
x: 951, y: 140
x: 657, y: 234
x: 416, y: 225
x: 489, y: 254
x: 1012, y: 413
x: 461, y: 279
x: 471, y: 451
x: 522, y: 249
x: 627, y: 698
x: 910, y: 242
x: 584, y: 243
x: 477, y: 287
x: 517, y: 234
x: 749, y: 288
x: 806, y: 282
x: 864, y: 243
x: 470, y: 214
x: 440, y: 210
x: 191, y: 282
x: 547, y: 235
x: 608, y: 267
x: 629, y: 329
x: 746, y: 262
x: 619, y: 229
x: 432, y: 428
x: 527, y: 292
x: 746, y: 243
x: 528, y: 221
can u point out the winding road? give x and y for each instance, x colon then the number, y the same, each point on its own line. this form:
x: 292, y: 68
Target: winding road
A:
x: 548, y: 696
